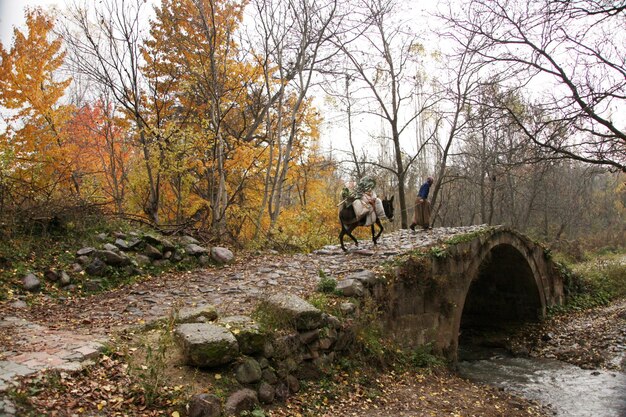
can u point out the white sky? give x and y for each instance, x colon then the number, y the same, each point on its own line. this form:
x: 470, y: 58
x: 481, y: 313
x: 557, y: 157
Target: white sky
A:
x: 12, y: 14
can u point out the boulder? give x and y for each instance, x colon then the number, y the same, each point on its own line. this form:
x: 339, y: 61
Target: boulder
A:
x: 188, y: 239
x: 168, y: 246
x: 134, y: 244
x: 111, y: 247
x: 112, y: 258
x: 97, y: 267
x: 83, y: 260
x: 206, y: 345
x: 51, y: 275
x: 86, y: 251
x: 267, y: 393
x: 205, y: 405
x: 248, y: 372
x: 200, y: 314
x: 195, y: 250
x: 152, y: 252
x: 64, y: 279
x: 295, y: 310
x: 240, y: 401
x: 143, y: 260
x: 367, y: 278
x: 121, y: 244
x: 248, y: 333
x: 222, y: 255
x: 293, y: 384
x: 31, y: 283
x: 350, y: 287
x: 152, y: 239
x: 269, y: 376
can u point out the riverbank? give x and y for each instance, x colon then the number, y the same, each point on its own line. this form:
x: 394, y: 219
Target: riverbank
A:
x: 590, y: 339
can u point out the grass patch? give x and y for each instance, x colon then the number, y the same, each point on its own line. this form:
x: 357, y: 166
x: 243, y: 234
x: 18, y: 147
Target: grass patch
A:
x: 594, y: 282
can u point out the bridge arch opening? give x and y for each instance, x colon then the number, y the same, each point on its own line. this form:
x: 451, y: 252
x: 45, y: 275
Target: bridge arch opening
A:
x: 503, y: 294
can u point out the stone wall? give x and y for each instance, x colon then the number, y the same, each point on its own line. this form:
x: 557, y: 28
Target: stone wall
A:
x: 265, y: 365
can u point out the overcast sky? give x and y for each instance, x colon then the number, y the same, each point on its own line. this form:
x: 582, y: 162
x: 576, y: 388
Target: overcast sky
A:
x: 12, y: 14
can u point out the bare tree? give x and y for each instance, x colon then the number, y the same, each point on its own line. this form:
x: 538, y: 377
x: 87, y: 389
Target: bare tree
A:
x: 568, y: 57
x: 384, y: 55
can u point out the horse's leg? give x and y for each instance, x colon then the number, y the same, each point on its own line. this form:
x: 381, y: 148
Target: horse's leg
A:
x: 380, y: 225
x: 341, y: 234
x: 349, y: 233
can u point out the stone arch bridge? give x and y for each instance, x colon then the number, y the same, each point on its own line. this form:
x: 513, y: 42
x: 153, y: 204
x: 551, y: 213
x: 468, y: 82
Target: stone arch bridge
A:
x: 490, y: 277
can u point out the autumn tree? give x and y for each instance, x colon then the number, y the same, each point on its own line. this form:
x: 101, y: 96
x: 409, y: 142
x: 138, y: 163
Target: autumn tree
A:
x: 104, y: 45
x: 36, y: 165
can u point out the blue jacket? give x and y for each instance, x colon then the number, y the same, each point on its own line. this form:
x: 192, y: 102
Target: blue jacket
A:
x: 424, y: 190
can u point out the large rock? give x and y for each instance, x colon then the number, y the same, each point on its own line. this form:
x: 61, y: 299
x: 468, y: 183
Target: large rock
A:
x: 111, y: 247
x: 267, y: 393
x: 205, y: 405
x: 248, y: 372
x: 188, y: 239
x: 152, y: 239
x: 112, y: 258
x: 195, y: 250
x: 206, y: 345
x: 31, y: 283
x: 222, y: 255
x: 97, y: 267
x: 200, y: 314
x: 152, y: 252
x: 86, y: 251
x: 367, y: 278
x: 51, y: 275
x: 121, y: 244
x: 350, y: 287
x: 64, y: 279
x: 248, y: 333
x: 296, y: 311
x: 240, y: 401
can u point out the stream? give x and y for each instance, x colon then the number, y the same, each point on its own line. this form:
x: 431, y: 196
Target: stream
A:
x: 569, y: 390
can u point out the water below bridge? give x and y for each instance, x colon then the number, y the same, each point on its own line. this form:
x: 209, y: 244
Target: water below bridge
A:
x: 569, y: 390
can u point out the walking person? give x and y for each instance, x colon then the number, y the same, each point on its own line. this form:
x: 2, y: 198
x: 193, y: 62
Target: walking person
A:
x: 421, y: 216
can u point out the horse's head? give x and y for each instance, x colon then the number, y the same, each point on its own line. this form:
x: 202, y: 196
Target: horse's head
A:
x: 388, y: 206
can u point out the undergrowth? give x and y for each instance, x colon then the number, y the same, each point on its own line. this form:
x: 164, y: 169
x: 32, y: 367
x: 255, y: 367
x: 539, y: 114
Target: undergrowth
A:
x: 25, y: 253
x: 594, y: 282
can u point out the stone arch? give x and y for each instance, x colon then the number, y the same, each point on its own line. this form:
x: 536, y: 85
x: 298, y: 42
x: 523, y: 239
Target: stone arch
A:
x: 425, y: 302
x: 508, y: 280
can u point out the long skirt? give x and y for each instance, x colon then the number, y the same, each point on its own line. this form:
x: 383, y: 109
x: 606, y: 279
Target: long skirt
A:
x: 421, y: 217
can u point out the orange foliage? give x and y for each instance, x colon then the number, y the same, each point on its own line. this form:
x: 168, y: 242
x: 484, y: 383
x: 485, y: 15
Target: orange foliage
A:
x: 34, y: 136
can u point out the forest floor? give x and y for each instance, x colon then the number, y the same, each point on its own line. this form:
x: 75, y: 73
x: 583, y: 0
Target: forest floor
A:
x: 84, y: 344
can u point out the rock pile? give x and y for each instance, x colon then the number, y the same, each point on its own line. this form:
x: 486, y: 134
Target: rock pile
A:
x: 267, y: 365
x: 129, y: 254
